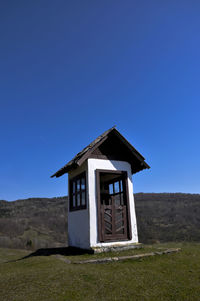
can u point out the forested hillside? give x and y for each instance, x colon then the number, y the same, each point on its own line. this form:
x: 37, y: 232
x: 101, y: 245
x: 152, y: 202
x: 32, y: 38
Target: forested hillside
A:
x: 42, y: 222
x: 164, y: 217
x: 33, y: 223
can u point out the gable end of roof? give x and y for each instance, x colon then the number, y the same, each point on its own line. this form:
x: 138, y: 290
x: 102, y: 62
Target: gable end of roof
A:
x: 82, y: 156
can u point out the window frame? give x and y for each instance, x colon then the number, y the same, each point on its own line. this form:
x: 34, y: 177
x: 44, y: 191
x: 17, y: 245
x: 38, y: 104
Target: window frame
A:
x: 121, y: 192
x: 77, y: 192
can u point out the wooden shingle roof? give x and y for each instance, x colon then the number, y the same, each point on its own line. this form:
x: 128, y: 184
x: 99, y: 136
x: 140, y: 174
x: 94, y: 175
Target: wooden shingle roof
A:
x: 138, y: 164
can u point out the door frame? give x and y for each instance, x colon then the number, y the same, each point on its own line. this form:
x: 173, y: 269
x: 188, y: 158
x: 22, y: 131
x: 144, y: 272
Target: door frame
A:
x: 99, y: 224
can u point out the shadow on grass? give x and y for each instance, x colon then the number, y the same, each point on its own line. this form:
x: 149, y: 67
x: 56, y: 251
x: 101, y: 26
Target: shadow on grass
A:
x: 66, y: 251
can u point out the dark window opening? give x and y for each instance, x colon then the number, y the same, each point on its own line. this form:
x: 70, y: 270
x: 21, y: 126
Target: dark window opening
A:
x: 112, y: 190
x: 78, y: 192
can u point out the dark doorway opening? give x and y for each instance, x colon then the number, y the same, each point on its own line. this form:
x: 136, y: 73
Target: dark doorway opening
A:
x: 113, y: 206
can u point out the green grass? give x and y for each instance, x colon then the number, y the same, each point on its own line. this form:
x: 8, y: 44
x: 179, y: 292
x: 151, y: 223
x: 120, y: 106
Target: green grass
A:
x: 166, y: 277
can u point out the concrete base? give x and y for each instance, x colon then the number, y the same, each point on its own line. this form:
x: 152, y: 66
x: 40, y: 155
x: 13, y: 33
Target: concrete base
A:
x: 116, y: 248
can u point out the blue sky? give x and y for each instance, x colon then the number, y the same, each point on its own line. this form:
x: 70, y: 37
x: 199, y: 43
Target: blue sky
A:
x: 69, y: 70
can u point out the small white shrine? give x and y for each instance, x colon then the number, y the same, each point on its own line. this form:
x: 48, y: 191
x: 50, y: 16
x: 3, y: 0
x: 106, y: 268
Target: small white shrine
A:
x: 101, y: 211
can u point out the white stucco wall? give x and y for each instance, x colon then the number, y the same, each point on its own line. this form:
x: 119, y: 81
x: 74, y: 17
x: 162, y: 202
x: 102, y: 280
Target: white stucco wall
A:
x: 78, y: 221
x: 94, y: 164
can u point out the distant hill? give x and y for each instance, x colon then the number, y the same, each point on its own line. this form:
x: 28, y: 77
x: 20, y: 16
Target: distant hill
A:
x: 42, y: 222
x: 33, y: 223
x: 164, y: 217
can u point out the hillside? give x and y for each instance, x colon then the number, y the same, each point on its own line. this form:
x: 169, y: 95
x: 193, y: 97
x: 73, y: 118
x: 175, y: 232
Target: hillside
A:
x: 164, y: 217
x: 33, y: 223
x: 41, y: 222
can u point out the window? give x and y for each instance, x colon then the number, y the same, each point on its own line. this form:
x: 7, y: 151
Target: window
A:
x: 115, y: 189
x: 78, y: 192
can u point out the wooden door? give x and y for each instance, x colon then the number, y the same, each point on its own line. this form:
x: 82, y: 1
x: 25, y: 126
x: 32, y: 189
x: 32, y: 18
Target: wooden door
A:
x: 113, y: 208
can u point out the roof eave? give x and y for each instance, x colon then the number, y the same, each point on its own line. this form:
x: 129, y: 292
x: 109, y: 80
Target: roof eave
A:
x: 142, y: 166
x: 64, y: 170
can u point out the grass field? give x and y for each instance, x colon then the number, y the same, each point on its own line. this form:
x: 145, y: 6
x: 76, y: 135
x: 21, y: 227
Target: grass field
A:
x: 166, y: 277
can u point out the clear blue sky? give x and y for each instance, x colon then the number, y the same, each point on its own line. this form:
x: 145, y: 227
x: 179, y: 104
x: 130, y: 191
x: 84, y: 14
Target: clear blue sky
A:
x: 69, y: 70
